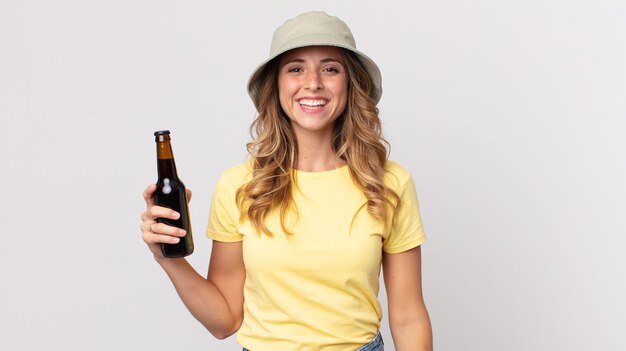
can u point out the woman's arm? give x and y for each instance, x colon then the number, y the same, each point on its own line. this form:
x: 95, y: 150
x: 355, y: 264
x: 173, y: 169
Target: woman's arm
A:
x: 215, y: 301
x: 408, y: 317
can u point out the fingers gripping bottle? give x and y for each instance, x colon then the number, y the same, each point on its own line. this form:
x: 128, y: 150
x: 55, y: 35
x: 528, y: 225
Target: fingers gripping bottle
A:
x: 171, y: 193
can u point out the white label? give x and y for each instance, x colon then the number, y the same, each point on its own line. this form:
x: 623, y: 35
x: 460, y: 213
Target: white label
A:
x: 166, y: 186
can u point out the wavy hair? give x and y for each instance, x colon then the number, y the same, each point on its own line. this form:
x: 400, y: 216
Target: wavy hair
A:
x: 357, y: 139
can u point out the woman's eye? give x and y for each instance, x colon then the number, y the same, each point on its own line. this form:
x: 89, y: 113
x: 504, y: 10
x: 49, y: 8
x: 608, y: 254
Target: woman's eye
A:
x: 331, y: 69
x: 294, y: 69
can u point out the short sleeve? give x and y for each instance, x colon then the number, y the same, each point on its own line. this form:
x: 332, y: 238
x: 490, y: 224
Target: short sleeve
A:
x: 408, y: 231
x: 224, y: 214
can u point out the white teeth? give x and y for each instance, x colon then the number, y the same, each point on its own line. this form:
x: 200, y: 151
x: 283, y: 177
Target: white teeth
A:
x: 312, y: 103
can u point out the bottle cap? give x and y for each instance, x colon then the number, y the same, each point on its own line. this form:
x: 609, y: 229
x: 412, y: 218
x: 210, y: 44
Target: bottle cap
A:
x: 161, y: 132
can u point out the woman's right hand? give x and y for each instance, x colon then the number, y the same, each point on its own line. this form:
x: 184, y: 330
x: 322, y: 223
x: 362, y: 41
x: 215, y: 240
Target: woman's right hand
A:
x: 154, y: 233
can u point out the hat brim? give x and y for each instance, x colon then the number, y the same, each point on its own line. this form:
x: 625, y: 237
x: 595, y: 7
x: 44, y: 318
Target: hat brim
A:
x: 304, y: 41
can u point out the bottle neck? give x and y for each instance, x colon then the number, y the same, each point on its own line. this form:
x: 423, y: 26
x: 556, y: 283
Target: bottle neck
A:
x: 166, y: 166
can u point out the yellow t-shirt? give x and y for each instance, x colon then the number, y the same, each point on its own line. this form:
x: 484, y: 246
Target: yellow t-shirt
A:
x: 316, y: 289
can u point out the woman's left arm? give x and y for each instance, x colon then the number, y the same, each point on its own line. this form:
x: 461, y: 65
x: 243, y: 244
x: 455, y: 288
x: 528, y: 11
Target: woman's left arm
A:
x: 408, y: 317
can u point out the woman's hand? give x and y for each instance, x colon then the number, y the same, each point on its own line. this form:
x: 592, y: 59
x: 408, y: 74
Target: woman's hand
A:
x: 154, y: 233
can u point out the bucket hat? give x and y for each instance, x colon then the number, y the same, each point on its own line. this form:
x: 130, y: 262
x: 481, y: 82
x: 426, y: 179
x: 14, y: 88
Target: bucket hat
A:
x: 314, y: 29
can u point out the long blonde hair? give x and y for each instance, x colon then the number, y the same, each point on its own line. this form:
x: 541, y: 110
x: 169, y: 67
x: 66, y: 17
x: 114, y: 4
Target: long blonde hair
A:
x: 357, y: 139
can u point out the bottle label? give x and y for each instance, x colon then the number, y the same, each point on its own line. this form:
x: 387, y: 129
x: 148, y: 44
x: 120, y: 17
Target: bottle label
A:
x: 166, y: 186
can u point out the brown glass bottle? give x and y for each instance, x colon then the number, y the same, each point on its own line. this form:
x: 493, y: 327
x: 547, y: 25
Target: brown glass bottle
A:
x: 171, y: 193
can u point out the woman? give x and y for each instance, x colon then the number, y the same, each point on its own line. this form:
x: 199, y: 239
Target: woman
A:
x: 301, y: 230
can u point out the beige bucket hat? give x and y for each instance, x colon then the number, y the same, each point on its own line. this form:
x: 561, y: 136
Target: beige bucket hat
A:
x: 312, y: 29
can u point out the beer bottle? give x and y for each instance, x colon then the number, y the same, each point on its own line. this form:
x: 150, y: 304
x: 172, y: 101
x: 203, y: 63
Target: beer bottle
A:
x: 171, y: 193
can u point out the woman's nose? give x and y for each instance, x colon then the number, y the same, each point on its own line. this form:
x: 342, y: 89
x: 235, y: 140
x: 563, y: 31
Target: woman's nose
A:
x: 314, y: 81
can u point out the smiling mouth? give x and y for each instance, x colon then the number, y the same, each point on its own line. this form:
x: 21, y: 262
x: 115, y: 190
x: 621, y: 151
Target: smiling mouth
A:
x: 312, y: 103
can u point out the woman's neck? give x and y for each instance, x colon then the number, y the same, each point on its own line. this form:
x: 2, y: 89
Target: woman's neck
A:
x: 317, y: 155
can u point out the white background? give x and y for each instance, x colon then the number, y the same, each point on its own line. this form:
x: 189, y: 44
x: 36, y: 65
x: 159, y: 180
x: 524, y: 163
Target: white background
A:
x: 511, y: 116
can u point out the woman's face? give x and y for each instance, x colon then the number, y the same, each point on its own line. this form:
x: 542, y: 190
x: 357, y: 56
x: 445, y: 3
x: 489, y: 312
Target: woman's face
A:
x: 313, y: 88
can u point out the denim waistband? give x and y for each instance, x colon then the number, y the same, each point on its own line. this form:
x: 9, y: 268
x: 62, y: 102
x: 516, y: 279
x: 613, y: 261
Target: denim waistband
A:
x: 376, y: 344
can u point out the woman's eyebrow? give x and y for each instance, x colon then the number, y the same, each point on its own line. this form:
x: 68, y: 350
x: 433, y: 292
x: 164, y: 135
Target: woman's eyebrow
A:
x: 292, y: 60
x: 301, y: 60
x: 331, y: 59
